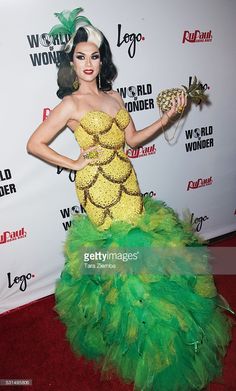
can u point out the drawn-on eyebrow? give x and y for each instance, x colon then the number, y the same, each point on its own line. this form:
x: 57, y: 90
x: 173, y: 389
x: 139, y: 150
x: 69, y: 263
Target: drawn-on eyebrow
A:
x: 85, y: 53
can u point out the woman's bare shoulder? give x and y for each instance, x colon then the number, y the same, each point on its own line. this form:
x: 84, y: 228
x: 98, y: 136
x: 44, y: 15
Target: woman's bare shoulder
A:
x: 116, y: 95
x: 113, y: 92
x: 69, y: 102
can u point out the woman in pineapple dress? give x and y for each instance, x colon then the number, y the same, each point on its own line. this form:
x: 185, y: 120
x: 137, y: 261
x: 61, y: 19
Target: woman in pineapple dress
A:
x: 162, y: 325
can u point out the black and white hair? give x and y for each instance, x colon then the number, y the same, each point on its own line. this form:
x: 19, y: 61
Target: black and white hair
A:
x: 66, y: 74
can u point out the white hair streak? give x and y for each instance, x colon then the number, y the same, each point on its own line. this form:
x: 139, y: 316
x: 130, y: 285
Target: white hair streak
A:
x: 94, y: 36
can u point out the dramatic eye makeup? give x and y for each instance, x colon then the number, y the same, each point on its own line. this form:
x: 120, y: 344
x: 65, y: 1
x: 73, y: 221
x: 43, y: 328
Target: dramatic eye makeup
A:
x: 81, y: 56
x: 95, y: 56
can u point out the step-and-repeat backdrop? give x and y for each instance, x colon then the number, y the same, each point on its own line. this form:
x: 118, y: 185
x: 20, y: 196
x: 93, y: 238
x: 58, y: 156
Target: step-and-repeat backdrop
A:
x: 156, y: 45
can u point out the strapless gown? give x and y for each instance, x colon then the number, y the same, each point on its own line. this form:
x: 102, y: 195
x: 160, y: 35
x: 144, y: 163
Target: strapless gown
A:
x: 158, y: 323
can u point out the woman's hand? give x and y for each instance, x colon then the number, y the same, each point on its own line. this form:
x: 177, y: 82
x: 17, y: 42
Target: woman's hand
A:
x: 86, y: 157
x: 178, y: 106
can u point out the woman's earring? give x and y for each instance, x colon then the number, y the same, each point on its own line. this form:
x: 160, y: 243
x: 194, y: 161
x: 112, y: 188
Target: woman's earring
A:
x: 76, y: 84
x: 99, y: 81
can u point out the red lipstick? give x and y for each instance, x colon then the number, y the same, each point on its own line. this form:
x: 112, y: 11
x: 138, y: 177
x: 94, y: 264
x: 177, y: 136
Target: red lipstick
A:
x: 88, y: 71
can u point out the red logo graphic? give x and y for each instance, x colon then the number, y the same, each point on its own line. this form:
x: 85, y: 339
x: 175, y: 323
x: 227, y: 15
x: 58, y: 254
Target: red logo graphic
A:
x: 9, y: 236
x: 46, y: 112
x: 197, y: 36
x: 141, y: 151
x: 199, y: 183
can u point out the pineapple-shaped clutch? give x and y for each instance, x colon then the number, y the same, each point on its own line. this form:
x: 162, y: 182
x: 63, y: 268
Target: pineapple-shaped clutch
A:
x: 195, y: 92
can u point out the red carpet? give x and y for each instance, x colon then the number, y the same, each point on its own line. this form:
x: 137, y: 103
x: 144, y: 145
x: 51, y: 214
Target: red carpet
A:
x: 33, y: 346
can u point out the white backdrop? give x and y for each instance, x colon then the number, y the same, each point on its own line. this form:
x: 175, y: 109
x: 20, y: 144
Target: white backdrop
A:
x: 37, y: 201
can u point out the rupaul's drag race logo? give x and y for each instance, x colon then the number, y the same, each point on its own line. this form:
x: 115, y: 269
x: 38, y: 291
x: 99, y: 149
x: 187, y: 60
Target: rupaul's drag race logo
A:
x: 139, y: 96
x: 45, y: 49
x: 9, y: 236
x: 68, y: 213
x: 6, y: 188
x: 130, y: 40
x: 200, y: 182
x: 21, y: 281
x: 46, y: 112
x: 197, y: 36
x: 141, y: 151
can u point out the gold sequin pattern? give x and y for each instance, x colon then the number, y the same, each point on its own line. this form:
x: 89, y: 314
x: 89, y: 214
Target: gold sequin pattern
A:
x: 117, y: 171
x: 107, y: 188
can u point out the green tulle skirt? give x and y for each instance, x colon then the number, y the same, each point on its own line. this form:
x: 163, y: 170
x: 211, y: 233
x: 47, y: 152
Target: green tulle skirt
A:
x: 159, y: 324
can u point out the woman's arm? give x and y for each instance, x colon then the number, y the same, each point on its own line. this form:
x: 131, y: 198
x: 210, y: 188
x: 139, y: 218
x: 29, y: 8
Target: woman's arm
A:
x: 38, y: 142
x: 135, y: 138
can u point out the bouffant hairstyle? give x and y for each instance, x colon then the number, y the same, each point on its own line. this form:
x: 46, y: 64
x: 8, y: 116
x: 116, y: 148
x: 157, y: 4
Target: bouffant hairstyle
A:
x: 66, y: 75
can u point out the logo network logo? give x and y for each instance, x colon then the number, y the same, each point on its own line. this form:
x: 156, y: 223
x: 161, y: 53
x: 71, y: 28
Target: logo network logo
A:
x: 204, y: 86
x: 201, y: 182
x: 197, y: 36
x: 9, y: 236
x: 130, y: 39
x: 197, y: 221
x: 71, y: 173
x: 22, y: 280
x: 149, y: 194
x: 141, y: 151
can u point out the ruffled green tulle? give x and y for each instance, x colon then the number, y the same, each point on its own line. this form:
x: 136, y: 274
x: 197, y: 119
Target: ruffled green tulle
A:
x: 163, y: 331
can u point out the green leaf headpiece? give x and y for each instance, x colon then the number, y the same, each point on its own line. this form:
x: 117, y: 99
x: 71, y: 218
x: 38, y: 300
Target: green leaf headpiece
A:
x: 71, y: 21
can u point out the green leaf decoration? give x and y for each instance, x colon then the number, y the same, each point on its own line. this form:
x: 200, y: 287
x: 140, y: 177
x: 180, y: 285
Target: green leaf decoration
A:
x: 63, y: 19
x: 83, y: 19
x: 74, y: 14
x: 70, y: 21
x: 58, y: 29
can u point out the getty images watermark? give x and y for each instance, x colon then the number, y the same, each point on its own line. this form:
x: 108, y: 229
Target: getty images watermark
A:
x: 180, y: 260
x: 106, y: 259
x: 15, y: 382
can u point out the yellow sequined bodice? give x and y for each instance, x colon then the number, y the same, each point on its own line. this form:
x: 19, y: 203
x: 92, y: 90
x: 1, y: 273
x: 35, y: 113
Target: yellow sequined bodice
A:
x: 108, y: 189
